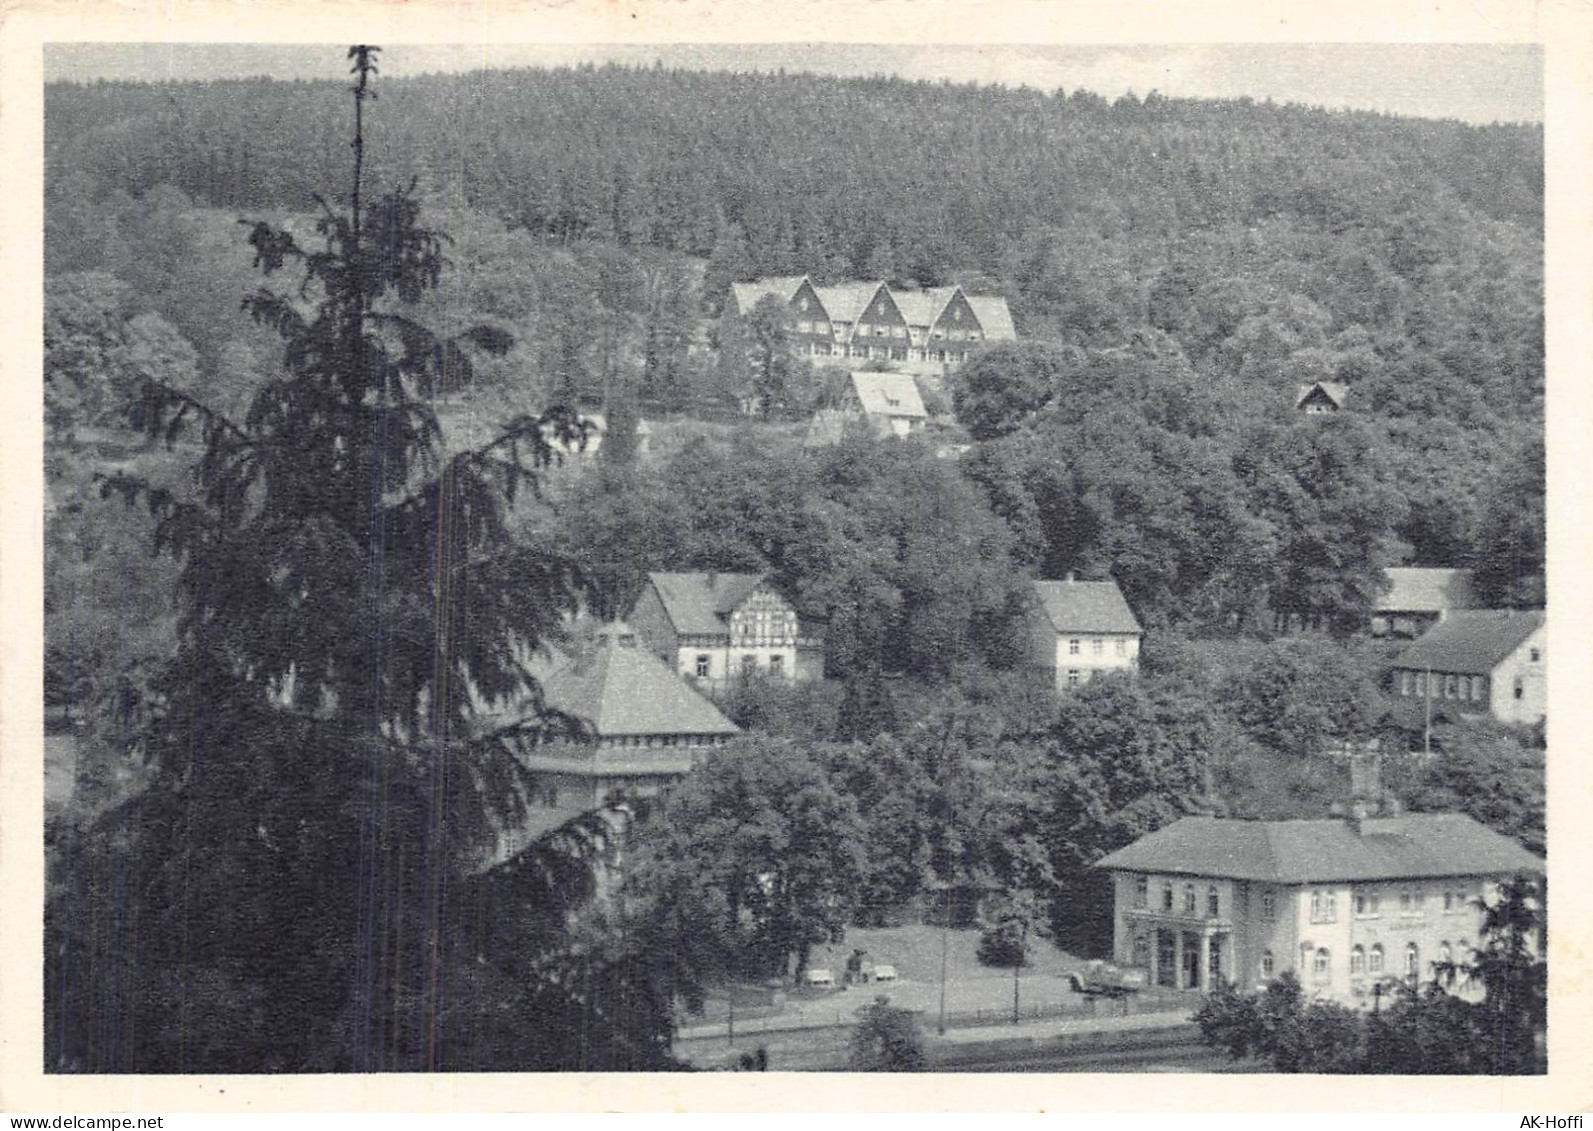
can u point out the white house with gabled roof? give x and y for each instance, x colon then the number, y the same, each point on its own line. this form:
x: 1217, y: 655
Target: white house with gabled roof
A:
x: 1078, y: 629
x: 1474, y: 662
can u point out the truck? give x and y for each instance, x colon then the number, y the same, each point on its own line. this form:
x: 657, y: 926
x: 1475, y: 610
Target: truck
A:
x: 1104, y: 979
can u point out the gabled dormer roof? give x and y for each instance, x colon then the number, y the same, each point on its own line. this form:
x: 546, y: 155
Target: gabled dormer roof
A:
x: 1471, y: 641
x: 847, y: 302
x: 994, y: 317
x: 1085, y: 606
x: 780, y: 287
x: 700, y: 603
x: 924, y: 308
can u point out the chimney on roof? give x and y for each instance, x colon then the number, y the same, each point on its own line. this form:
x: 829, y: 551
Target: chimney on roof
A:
x: 1366, y: 776
x: 1366, y: 785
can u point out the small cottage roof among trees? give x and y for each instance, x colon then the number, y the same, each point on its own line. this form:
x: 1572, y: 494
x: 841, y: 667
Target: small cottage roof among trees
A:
x: 888, y: 394
x: 1333, y: 392
x: 1418, y: 589
x: 1471, y: 640
x: 1085, y: 606
x: 1412, y: 846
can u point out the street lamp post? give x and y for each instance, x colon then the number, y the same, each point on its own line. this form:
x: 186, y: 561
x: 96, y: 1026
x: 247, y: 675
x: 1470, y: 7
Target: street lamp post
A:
x: 945, y: 929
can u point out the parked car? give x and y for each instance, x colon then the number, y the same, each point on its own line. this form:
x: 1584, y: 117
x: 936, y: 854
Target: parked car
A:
x: 1100, y: 977
x: 884, y: 973
x: 818, y: 977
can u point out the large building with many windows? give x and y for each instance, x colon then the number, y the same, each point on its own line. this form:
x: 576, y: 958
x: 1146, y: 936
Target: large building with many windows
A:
x: 928, y: 331
x: 1348, y: 906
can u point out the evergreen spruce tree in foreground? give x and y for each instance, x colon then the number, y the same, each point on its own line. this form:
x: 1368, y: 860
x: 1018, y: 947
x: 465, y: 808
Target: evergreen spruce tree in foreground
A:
x: 297, y: 890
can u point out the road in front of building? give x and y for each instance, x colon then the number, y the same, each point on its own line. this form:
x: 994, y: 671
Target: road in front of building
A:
x: 1143, y: 1042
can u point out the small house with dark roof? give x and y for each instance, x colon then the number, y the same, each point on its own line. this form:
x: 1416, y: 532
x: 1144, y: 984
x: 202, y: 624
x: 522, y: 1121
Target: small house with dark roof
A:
x: 1321, y: 397
x: 1347, y: 906
x: 1419, y: 597
x: 1080, y: 628
x: 713, y: 627
x: 1474, y: 662
x: 640, y: 726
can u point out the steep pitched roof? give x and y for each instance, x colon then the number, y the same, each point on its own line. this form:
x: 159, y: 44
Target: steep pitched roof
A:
x: 1415, y: 589
x: 923, y: 307
x: 1471, y: 640
x: 782, y: 287
x: 698, y: 603
x: 888, y: 394
x: 993, y: 315
x: 1335, y: 391
x: 1085, y: 606
x: 847, y: 301
x: 624, y: 690
x: 1412, y: 846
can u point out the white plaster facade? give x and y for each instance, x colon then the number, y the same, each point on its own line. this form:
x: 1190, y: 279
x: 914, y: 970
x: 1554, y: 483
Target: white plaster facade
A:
x: 1192, y: 906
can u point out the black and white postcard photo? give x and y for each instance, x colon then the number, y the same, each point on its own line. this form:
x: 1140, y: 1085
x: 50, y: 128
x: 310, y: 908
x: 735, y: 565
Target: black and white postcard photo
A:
x: 651, y: 548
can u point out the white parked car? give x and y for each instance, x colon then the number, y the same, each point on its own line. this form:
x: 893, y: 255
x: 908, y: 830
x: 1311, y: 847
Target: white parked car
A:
x: 818, y: 976
x: 884, y: 973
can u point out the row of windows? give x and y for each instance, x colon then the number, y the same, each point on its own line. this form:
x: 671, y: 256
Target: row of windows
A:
x: 1191, y: 898
x: 1323, y: 902
x: 1444, y: 686
x: 1191, y: 901
x: 886, y: 353
x: 1369, y: 905
x: 749, y: 666
x: 1097, y: 646
x: 842, y: 330
x: 650, y: 741
x: 1319, y: 960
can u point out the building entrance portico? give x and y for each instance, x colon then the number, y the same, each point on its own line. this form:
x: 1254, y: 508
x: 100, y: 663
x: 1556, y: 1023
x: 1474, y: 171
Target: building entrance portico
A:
x: 1183, y: 959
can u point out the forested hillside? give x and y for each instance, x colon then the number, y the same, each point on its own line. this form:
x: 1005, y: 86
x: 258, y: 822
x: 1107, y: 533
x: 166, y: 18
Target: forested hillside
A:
x: 1176, y: 269
x: 1184, y: 266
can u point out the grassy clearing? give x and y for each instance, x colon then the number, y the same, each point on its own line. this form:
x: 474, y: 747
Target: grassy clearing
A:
x: 915, y: 952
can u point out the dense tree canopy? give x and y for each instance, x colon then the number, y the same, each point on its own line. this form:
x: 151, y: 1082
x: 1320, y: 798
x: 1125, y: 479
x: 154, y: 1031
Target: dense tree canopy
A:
x: 747, y: 865
x: 285, y: 893
x: 1176, y: 269
x: 890, y: 550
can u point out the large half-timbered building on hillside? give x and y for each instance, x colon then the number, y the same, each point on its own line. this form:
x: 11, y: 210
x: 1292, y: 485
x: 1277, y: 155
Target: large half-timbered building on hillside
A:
x: 931, y: 330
